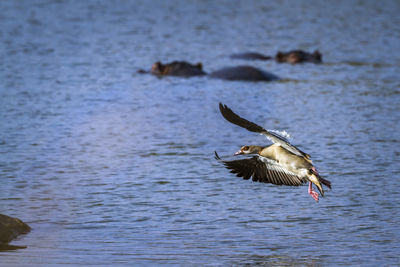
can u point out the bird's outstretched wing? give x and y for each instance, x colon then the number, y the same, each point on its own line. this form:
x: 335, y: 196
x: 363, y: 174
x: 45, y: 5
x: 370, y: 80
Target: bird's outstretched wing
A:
x: 262, y: 170
x: 232, y: 117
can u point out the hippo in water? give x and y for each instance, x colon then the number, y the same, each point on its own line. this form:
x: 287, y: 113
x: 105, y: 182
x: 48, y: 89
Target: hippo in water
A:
x: 185, y: 69
x: 298, y: 56
x: 243, y: 73
x: 176, y: 68
x: 293, y: 57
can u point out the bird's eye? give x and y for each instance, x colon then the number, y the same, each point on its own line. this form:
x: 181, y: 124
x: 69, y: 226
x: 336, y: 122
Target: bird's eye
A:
x: 245, y: 148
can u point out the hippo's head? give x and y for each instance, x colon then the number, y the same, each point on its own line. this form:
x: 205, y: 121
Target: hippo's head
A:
x: 299, y: 56
x: 294, y: 58
x: 157, y: 68
x: 177, y: 68
x: 291, y: 57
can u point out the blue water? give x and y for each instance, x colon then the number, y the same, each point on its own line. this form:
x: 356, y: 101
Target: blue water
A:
x: 111, y: 167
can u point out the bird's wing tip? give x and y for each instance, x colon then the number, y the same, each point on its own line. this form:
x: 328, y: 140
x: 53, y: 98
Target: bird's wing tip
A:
x: 222, y: 107
x: 216, y: 156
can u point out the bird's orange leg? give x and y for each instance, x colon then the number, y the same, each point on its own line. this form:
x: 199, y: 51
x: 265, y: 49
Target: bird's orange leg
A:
x: 312, y: 192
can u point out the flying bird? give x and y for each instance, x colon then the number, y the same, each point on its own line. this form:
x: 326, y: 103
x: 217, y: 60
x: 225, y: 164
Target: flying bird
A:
x: 280, y: 163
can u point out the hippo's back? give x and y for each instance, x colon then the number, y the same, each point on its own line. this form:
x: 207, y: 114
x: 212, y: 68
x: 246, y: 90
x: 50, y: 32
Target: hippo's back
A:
x: 186, y: 71
x: 243, y: 73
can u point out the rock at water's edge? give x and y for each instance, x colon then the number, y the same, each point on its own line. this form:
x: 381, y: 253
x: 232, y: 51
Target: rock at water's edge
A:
x: 10, y: 228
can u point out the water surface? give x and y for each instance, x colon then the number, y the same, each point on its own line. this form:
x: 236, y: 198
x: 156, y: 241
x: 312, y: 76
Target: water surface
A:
x: 111, y: 167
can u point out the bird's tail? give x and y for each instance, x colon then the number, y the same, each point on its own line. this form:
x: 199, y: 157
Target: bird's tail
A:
x: 325, y: 182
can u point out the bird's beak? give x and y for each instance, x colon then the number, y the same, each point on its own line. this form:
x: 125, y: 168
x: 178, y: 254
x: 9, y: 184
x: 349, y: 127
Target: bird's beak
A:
x: 240, y: 152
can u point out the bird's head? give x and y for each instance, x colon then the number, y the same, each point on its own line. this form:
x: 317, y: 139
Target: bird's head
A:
x: 244, y: 150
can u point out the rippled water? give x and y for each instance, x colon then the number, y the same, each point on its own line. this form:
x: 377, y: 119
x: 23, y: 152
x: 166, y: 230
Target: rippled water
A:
x: 111, y: 167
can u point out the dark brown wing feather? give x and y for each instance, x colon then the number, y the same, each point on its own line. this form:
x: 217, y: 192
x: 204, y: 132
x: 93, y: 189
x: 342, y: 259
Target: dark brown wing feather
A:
x: 232, y: 117
x: 260, y: 171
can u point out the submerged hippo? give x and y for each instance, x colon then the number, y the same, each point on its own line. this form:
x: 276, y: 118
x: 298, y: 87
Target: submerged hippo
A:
x: 298, y: 56
x: 185, y: 69
x: 10, y: 228
x: 243, y: 73
x: 293, y: 57
x: 177, y: 68
x: 250, y: 56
